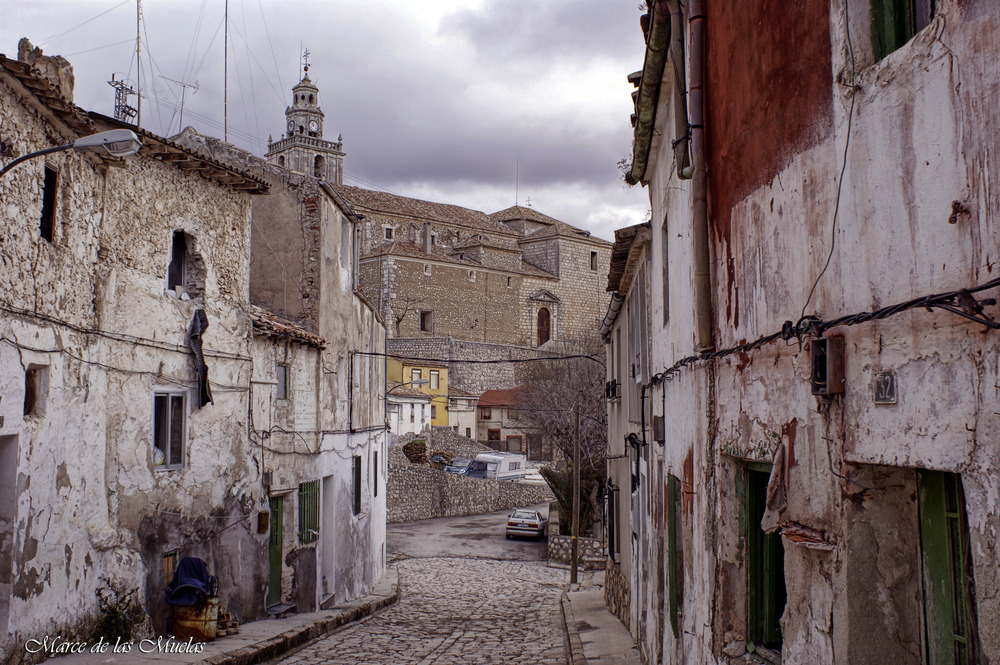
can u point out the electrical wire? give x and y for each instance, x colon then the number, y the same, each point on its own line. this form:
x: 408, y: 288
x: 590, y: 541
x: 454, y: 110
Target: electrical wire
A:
x: 470, y: 361
x: 843, y: 167
x: 960, y: 303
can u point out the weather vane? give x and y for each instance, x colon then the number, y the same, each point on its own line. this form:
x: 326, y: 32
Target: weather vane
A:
x: 305, y: 61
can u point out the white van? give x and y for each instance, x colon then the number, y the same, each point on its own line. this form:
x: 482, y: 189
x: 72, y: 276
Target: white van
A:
x: 498, y: 466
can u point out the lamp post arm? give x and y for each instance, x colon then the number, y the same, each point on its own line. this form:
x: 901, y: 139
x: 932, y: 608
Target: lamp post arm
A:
x: 34, y: 154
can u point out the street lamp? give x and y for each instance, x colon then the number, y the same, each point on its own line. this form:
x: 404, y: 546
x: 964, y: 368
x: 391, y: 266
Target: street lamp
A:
x: 415, y: 382
x: 115, y: 142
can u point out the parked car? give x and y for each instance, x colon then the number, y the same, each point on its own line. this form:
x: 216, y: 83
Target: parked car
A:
x: 458, y: 465
x: 526, y: 523
x: 498, y: 466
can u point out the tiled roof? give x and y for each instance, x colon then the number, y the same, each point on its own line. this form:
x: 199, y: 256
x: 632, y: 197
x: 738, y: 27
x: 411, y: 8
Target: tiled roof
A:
x: 555, y: 227
x: 411, y: 250
x: 502, y: 398
x: 48, y: 94
x: 272, y: 325
x: 458, y: 392
x: 368, y: 200
x: 622, y: 260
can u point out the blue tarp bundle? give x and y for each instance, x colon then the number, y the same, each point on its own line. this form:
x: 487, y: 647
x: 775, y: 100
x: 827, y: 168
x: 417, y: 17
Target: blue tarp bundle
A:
x: 191, y: 584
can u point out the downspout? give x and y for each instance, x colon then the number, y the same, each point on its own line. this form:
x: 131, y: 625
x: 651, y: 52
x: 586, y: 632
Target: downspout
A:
x: 703, y: 275
x: 681, y: 127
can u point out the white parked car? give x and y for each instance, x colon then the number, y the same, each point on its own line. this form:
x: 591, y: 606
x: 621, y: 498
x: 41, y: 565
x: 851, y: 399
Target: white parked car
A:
x: 526, y: 523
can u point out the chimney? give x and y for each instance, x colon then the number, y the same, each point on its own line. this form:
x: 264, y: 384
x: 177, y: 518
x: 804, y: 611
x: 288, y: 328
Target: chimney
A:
x: 55, y: 68
x: 427, y: 238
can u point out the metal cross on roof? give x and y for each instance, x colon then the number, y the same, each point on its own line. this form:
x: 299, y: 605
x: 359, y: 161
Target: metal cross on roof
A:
x: 305, y: 61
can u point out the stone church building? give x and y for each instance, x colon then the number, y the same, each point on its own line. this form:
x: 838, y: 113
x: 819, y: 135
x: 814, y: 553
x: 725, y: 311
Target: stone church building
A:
x: 455, y: 284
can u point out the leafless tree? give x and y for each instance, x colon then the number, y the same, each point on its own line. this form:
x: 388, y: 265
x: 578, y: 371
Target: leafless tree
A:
x: 400, y: 307
x: 552, y: 388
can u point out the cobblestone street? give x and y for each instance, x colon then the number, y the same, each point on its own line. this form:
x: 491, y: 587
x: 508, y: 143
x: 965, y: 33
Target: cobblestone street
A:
x: 457, y: 611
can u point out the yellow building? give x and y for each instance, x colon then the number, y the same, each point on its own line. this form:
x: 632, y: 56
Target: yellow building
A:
x: 428, y: 377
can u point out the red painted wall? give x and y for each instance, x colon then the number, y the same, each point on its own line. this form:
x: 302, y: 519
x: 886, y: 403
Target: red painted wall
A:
x: 769, y: 93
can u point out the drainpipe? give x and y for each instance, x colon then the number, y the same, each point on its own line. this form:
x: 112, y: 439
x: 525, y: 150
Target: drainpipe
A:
x: 681, y: 127
x: 703, y: 276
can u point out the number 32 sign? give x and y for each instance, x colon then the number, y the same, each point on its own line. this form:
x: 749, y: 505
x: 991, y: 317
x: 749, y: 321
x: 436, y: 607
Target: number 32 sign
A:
x: 885, y: 387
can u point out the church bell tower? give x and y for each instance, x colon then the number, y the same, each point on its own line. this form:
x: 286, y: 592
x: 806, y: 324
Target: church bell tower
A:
x: 302, y: 148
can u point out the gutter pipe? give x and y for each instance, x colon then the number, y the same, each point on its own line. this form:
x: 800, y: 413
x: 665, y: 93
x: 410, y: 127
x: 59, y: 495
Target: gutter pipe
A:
x: 699, y: 188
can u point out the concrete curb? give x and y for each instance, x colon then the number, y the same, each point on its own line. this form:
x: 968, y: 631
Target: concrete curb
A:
x: 273, y: 647
x: 574, y: 646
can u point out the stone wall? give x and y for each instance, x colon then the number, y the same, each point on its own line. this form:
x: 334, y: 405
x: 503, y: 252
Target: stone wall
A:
x: 590, y: 551
x: 418, y: 492
x: 616, y: 591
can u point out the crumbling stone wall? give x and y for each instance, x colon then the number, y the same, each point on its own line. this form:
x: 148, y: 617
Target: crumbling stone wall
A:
x: 589, y: 550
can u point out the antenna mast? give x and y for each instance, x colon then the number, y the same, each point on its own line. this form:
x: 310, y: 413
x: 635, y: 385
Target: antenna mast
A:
x: 123, y: 112
x: 138, y: 61
x: 184, y: 87
x: 225, y: 81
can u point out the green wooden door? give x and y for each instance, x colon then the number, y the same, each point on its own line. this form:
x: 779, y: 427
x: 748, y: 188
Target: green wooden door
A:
x: 949, y: 594
x: 274, y: 553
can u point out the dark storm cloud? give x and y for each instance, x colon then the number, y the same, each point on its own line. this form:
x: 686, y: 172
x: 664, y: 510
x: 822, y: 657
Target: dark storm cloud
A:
x: 438, y: 100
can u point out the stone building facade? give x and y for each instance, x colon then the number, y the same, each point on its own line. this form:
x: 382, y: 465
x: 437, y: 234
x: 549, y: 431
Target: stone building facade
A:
x: 815, y: 482
x: 118, y: 451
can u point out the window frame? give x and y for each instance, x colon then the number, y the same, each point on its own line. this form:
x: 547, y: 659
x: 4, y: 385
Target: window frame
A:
x: 435, y: 379
x: 485, y: 413
x: 416, y: 375
x: 493, y: 435
x: 896, y: 22
x: 389, y: 232
x: 426, y: 324
x: 177, y: 268
x: 593, y: 261
x: 281, y: 382
x: 168, y: 463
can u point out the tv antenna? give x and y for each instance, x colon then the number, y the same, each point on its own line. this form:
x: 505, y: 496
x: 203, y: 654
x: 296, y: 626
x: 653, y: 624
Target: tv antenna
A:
x: 184, y: 87
x: 123, y: 112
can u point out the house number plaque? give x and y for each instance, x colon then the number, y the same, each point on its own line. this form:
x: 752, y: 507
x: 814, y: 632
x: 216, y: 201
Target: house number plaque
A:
x: 885, y: 387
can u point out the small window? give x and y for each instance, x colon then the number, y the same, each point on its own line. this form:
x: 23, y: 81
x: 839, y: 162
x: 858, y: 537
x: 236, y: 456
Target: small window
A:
x: 170, y: 560
x: 168, y: 430
x: 433, y: 239
x: 426, y: 322
x: 282, y: 381
x: 593, y: 260
x: 509, y: 282
x: 281, y: 160
x: 493, y: 435
x: 356, y: 507
x: 309, y: 511
x: 468, y: 432
x: 48, y: 204
x: 472, y: 275
x: 427, y: 269
x: 388, y: 233
x: 178, y: 252
x: 435, y: 379
x: 434, y: 411
x: 485, y: 413
x: 895, y: 22
x: 36, y: 385
x: 415, y: 375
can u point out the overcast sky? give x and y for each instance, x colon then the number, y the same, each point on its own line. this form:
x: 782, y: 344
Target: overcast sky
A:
x: 442, y: 100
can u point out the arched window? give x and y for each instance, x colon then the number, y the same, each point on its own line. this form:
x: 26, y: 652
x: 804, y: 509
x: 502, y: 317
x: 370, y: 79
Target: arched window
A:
x: 281, y: 160
x: 544, y: 326
x: 310, y: 99
x: 318, y: 166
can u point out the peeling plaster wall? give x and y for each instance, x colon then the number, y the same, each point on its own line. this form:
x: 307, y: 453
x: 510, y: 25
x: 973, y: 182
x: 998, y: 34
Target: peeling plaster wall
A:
x: 87, y: 500
x: 335, y: 409
x: 921, y: 137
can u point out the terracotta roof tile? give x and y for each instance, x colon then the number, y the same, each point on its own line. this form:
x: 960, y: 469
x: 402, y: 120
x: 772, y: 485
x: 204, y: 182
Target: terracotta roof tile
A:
x: 367, y: 200
x: 272, y: 325
x: 502, y: 398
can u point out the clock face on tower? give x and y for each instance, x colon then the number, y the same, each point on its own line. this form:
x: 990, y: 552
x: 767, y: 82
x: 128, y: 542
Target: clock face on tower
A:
x: 313, y: 125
